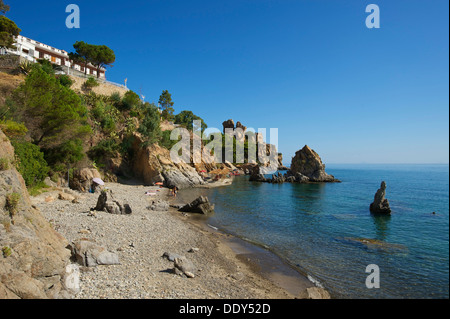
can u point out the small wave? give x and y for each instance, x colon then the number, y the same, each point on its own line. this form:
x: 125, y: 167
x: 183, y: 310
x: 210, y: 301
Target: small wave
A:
x: 316, y: 282
x: 215, y: 228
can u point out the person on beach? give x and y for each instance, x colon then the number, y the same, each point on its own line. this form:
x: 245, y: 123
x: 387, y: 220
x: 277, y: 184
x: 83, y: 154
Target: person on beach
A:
x: 175, y: 189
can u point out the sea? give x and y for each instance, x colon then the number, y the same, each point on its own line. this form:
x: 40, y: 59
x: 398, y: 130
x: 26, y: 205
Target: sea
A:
x: 327, y: 232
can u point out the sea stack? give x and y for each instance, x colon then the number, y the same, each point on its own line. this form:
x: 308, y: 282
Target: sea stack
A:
x: 380, y: 204
x: 307, y: 163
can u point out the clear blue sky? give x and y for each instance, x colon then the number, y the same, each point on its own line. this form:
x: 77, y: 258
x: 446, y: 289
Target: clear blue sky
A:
x: 309, y: 68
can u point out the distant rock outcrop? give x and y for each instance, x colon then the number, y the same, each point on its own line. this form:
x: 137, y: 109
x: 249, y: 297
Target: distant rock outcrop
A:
x: 228, y: 124
x: 308, y: 163
x: 33, y: 256
x: 380, y: 205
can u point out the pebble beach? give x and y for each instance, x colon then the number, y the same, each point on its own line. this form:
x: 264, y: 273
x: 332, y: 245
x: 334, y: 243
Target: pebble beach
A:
x: 141, y: 238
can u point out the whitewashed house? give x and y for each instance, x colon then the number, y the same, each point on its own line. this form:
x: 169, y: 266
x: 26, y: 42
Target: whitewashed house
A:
x: 32, y: 50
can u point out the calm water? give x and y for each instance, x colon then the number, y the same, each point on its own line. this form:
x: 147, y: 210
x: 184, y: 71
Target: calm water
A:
x: 320, y: 227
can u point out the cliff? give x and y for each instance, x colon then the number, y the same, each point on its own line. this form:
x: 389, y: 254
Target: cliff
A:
x: 33, y: 256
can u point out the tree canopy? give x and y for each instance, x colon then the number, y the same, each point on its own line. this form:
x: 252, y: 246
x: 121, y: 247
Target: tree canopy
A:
x: 83, y: 53
x: 102, y: 56
x: 165, y: 100
x: 52, y: 113
x: 150, y: 127
x: 8, y: 30
x: 98, y: 55
x: 3, y: 7
x: 186, y: 119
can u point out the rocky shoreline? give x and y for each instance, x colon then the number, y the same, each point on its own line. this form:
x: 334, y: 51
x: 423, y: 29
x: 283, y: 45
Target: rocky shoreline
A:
x: 140, y: 240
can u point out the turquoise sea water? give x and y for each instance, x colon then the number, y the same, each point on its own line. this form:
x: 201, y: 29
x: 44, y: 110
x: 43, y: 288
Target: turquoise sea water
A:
x: 329, y: 233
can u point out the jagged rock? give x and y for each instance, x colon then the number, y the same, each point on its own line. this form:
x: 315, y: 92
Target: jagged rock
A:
x: 281, y: 167
x: 107, y: 203
x: 228, y: 124
x: 159, y: 205
x: 256, y: 174
x: 380, y: 205
x: 90, y: 254
x: 300, y: 178
x: 239, y: 125
x: 307, y: 162
x: 200, y: 205
x: 154, y: 164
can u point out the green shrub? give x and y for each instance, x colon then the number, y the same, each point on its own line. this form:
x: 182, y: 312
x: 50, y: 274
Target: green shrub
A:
x: 90, y: 83
x: 69, y: 152
x: 13, y: 129
x: 166, y: 142
x: 6, y: 251
x: 4, y: 164
x: 104, y: 149
x: 65, y: 80
x: 30, y: 162
x: 130, y: 100
x: 150, y: 126
x: 12, y: 203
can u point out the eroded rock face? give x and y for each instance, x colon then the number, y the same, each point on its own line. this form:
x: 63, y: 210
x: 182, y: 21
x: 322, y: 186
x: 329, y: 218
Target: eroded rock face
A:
x: 228, y: 124
x: 82, y: 179
x: 33, y: 256
x: 153, y: 164
x: 308, y: 163
x: 380, y: 205
x: 200, y: 205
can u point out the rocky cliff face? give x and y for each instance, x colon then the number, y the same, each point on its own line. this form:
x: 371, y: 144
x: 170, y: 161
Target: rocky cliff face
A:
x: 307, y: 162
x: 33, y: 256
x: 153, y: 164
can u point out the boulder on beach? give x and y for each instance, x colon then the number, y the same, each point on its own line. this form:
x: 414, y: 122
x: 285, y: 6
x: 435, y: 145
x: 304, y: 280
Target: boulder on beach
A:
x: 108, y: 204
x: 380, y: 204
x: 200, y: 205
x: 308, y: 163
x: 159, y: 205
x: 88, y: 253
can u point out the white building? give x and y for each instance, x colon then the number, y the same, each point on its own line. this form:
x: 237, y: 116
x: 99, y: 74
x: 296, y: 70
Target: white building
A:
x: 32, y: 50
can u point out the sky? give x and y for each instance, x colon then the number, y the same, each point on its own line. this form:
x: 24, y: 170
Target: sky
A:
x: 310, y: 68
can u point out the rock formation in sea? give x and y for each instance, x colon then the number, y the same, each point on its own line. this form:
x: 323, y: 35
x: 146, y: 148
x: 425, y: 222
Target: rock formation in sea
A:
x: 309, y: 164
x: 33, y: 256
x: 306, y: 167
x: 380, y: 204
